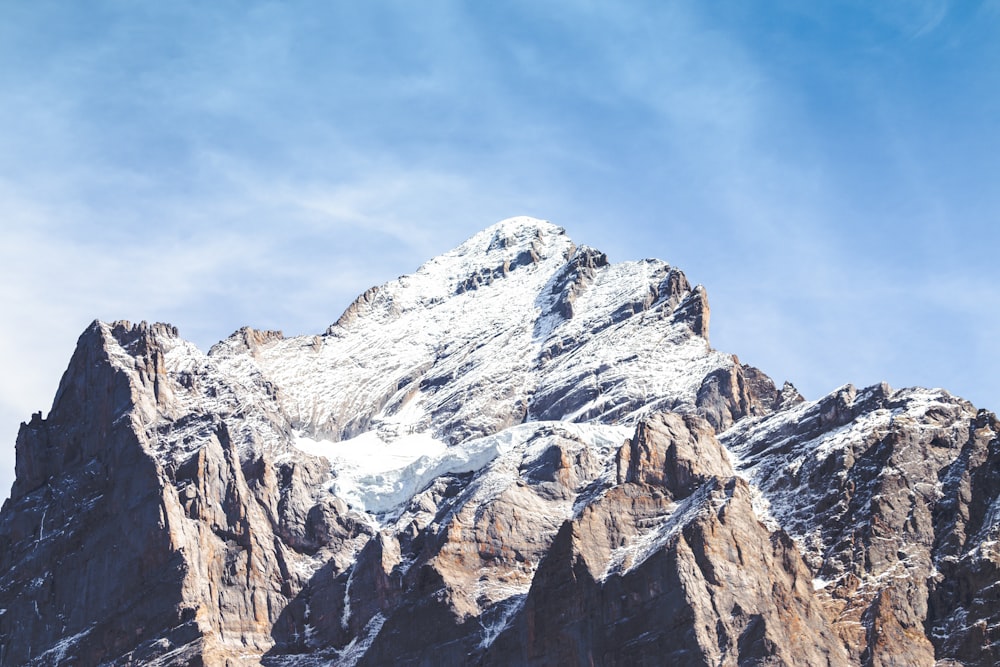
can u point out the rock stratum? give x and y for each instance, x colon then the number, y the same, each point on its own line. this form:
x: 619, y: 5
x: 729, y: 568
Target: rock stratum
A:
x: 520, y: 454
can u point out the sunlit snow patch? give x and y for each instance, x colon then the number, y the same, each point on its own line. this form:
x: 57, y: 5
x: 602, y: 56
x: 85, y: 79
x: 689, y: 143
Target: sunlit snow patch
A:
x: 376, y: 476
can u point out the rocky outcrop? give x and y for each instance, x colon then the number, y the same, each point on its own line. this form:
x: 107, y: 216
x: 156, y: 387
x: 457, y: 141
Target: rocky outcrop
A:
x: 245, y: 340
x: 575, y: 278
x: 963, y: 614
x: 89, y: 567
x: 130, y: 554
x: 729, y: 394
x: 670, y: 566
x: 887, y: 493
x: 695, y: 311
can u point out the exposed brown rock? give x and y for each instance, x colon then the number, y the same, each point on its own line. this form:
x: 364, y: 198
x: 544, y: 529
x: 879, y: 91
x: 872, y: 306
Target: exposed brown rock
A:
x: 131, y: 558
x: 704, y: 583
x: 695, y: 311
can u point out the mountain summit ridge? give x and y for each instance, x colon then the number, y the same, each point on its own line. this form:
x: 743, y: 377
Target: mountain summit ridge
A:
x: 519, y: 453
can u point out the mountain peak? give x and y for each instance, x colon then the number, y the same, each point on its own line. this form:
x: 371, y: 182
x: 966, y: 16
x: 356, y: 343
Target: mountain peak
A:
x: 498, y: 250
x: 511, y: 247
x: 516, y: 234
x: 519, y: 323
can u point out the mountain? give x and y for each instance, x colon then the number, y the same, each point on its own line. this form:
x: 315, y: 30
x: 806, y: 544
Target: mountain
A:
x: 519, y: 454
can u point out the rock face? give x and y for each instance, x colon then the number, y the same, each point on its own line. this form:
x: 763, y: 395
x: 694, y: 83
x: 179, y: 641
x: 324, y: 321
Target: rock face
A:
x: 670, y: 566
x: 519, y: 454
x: 886, y: 493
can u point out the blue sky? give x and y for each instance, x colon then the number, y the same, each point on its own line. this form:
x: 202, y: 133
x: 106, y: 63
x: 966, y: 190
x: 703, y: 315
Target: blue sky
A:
x: 828, y: 172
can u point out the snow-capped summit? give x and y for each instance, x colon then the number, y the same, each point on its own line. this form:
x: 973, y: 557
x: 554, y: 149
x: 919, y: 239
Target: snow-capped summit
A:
x: 516, y: 246
x: 507, y: 239
x: 514, y: 324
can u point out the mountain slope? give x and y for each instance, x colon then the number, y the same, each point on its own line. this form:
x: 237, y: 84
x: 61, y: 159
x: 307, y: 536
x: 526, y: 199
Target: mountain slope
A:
x: 518, y: 454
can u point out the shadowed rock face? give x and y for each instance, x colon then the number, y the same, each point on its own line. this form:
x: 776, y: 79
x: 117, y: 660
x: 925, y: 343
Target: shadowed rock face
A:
x: 605, y: 489
x: 85, y: 550
x: 127, y: 554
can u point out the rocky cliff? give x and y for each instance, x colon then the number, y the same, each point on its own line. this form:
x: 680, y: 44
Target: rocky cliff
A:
x: 519, y: 454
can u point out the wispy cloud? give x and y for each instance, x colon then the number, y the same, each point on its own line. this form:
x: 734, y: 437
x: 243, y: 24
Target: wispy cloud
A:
x: 823, y: 169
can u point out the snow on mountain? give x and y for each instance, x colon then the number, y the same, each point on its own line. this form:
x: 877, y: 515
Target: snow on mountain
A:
x: 472, y: 342
x: 516, y: 324
x: 519, y: 453
x: 826, y: 442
